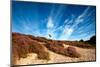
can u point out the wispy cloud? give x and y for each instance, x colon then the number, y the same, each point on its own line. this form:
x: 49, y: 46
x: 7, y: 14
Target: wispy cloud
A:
x: 50, y: 23
x: 66, y: 21
x: 67, y: 31
x: 60, y: 21
x: 81, y: 17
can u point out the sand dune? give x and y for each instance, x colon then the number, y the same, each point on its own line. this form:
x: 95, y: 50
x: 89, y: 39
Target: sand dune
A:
x: 86, y: 55
x: 28, y: 49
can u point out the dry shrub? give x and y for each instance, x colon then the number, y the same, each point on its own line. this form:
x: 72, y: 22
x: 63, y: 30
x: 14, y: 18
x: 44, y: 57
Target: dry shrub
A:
x: 39, y: 39
x: 18, y: 52
x: 22, y: 45
x: 83, y: 45
x: 39, y: 49
x: 15, y: 55
x: 78, y: 44
x: 55, y: 47
x: 71, y: 52
x: 43, y: 55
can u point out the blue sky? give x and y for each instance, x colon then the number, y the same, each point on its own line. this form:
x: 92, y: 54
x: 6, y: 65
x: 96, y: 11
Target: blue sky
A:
x: 62, y: 22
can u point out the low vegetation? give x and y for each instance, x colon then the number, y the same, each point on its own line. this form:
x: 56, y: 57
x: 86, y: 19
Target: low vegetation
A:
x: 58, y: 47
x: 23, y: 44
x: 80, y: 44
x: 72, y: 52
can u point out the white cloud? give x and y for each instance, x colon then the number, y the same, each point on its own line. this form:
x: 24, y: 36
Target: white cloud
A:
x: 50, y: 23
x: 50, y: 28
x: 67, y: 31
x: 81, y: 17
x: 84, y: 13
x: 66, y: 21
x: 78, y: 20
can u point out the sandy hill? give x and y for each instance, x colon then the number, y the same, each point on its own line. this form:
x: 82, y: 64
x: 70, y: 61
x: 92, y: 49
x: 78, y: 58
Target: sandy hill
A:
x: 28, y: 49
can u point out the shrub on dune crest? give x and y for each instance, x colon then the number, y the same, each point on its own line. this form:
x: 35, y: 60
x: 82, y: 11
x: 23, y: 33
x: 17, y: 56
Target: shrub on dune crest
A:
x: 59, y: 48
x: 35, y: 47
x: 55, y: 47
x: 71, y: 52
x: 22, y: 45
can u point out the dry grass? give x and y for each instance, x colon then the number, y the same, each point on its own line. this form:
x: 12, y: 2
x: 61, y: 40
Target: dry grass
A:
x: 79, y: 44
x: 58, y: 47
x: 22, y: 45
x: 53, y: 46
x: 86, y: 55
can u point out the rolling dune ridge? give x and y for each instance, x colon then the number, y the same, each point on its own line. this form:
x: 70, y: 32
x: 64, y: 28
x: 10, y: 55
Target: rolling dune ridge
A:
x: 27, y: 49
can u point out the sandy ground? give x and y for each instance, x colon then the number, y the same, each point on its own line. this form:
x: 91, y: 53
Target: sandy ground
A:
x: 86, y: 55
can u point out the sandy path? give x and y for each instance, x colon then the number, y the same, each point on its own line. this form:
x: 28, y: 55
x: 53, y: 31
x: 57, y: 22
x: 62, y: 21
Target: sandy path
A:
x: 86, y: 55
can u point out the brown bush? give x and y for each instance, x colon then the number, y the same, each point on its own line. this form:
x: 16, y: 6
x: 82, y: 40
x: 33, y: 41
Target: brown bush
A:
x: 43, y: 55
x: 15, y: 55
x: 55, y: 47
x: 22, y: 45
x: 78, y: 44
x: 39, y: 39
x: 39, y: 49
x: 71, y: 52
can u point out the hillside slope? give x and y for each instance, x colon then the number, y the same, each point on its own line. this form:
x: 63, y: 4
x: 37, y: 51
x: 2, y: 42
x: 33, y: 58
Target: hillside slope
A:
x: 28, y: 49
